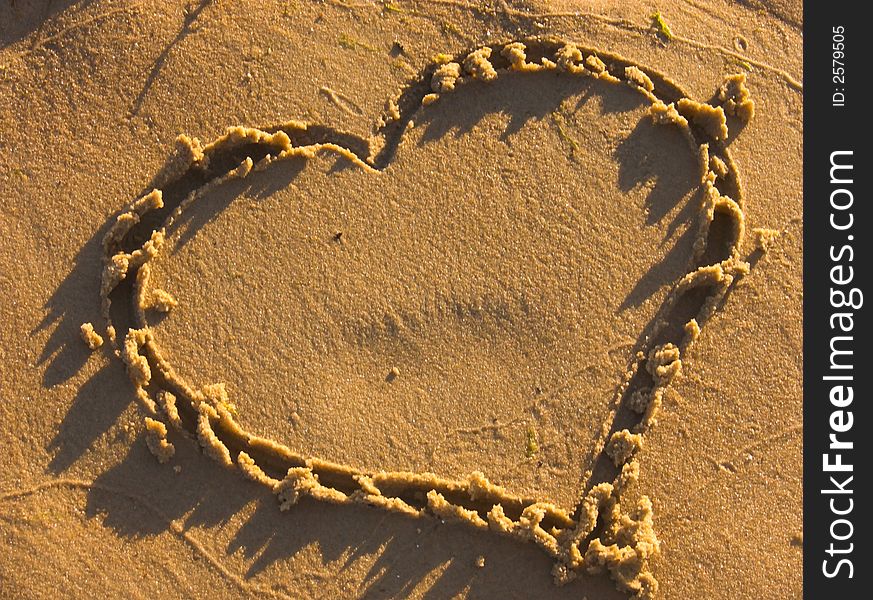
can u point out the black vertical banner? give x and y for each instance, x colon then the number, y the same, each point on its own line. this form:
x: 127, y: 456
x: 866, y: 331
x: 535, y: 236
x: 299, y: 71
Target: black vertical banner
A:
x: 836, y: 272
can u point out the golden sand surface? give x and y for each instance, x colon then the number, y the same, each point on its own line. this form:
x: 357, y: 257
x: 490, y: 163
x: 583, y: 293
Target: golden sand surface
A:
x: 404, y: 299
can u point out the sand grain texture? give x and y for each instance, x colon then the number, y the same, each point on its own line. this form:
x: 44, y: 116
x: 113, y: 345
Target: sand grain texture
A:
x: 478, y: 311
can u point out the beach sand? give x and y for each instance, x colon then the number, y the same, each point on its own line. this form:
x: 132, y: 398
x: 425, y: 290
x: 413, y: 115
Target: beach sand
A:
x: 453, y: 309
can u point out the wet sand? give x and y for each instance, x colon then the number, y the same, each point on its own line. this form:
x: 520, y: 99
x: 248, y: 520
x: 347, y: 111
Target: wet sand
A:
x: 539, y: 310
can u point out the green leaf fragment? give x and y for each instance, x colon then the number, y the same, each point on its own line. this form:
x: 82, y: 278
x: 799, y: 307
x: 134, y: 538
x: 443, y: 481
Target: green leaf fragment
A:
x: 661, y: 26
x: 532, y: 446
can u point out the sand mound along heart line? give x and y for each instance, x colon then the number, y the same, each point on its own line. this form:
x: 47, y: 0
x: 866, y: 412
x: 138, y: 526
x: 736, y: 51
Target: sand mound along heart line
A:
x: 598, y: 534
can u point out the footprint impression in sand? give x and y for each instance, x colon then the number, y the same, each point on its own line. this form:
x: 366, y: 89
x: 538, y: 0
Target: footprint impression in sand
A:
x: 497, y: 288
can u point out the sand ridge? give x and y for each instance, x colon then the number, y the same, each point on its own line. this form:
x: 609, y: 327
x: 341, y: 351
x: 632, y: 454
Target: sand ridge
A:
x: 625, y: 538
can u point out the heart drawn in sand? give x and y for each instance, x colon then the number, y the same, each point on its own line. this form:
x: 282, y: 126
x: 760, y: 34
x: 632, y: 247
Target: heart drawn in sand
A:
x: 598, y: 533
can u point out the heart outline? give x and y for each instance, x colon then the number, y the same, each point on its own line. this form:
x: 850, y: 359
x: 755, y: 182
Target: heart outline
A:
x: 568, y: 537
